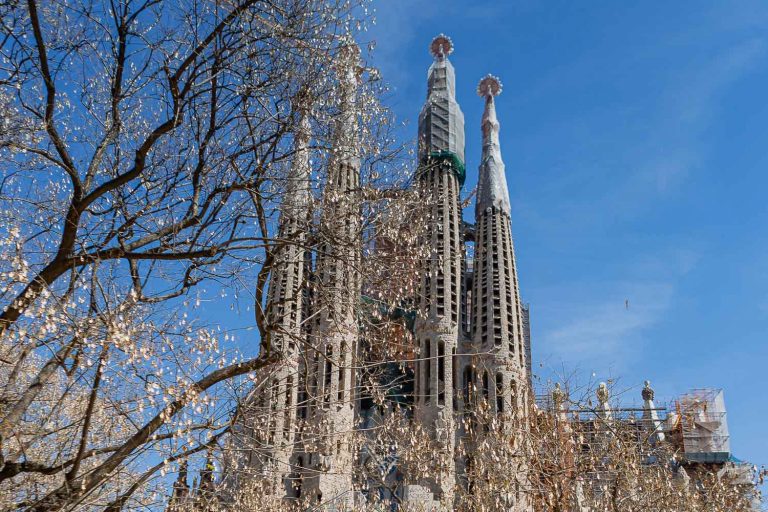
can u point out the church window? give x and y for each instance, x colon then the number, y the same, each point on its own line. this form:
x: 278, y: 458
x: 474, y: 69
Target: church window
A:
x: 302, y: 404
x: 328, y: 373
x: 454, y: 361
x: 441, y: 373
x: 499, y: 393
x: 288, y: 406
x: 342, y: 373
x: 428, y: 370
x: 299, y: 479
x: 272, y: 415
x: 468, y: 378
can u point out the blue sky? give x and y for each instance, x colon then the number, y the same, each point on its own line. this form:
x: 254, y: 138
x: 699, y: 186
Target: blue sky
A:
x: 634, y: 137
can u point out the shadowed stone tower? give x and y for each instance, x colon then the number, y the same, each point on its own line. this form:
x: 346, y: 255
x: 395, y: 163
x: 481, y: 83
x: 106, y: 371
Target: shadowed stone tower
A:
x: 440, y: 176
x: 285, y: 309
x: 334, y: 338
x: 266, y: 436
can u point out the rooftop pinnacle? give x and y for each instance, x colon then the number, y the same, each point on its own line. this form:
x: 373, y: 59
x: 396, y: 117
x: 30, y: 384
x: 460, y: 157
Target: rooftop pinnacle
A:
x: 441, y: 47
x: 441, y: 122
x: 492, y: 183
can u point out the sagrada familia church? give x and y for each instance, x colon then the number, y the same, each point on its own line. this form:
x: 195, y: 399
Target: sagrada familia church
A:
x: 469, y: 325
x: 490, y: 337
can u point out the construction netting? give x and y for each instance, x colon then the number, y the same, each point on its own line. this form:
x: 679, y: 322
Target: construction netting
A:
x: 700, y: 417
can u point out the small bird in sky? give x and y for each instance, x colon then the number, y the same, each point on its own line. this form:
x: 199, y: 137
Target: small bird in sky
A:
x: 626, y: 303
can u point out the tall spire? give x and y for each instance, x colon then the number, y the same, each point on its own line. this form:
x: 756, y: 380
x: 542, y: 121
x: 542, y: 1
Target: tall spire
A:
x: 439, y: 177
x: 492, y: 183
x: 498, y: 324
x: 495, y: 370
x: 345, y: 143
x: 333, y: 341
x: 268, y: 451
x: 441, y: 122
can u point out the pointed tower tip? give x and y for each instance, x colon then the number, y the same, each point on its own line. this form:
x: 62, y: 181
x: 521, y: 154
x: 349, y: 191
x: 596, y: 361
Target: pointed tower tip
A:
x: 489, y: 86
x: 441, y: 46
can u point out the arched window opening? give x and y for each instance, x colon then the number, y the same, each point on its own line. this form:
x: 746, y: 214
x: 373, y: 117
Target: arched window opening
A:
x: 297, y: 478
x: 441, y: 373
x: 288, y: 407
x: 342, y: 374
x: 428, y: 371
x: 328, y: 373
x: 467, y: 386
x: 499, y: 393
x: 454, y: 378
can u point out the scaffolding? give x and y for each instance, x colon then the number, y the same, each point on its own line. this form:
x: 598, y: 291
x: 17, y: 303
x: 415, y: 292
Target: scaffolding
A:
x: 701, y: 420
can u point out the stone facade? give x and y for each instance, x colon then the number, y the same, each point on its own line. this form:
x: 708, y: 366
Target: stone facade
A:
x: 469, y: 332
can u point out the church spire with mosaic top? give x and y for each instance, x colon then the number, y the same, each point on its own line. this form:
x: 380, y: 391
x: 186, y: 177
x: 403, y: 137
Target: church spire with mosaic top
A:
x: 439, y: 176
x: 492, y: 181
x: 441, y: 121
x: 496, y: 321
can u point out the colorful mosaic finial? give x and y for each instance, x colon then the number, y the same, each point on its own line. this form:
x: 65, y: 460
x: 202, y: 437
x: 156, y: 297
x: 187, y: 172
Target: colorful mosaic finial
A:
x: 489, y: 86
x: 441, y: 46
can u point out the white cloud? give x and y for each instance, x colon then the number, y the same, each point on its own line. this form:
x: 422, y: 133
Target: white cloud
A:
x: 594, y: 327
x: 609, y: 331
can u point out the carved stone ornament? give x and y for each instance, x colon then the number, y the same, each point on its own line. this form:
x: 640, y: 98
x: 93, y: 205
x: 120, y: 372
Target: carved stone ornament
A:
x: 602, y: 393
x: 648, y: 392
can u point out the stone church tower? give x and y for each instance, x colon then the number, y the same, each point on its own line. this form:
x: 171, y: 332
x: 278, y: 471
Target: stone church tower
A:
x: 495, y: 369
x: 334, y: 337
x: 264, y: 441
x: 498, y: 352
x: 439, y: 178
